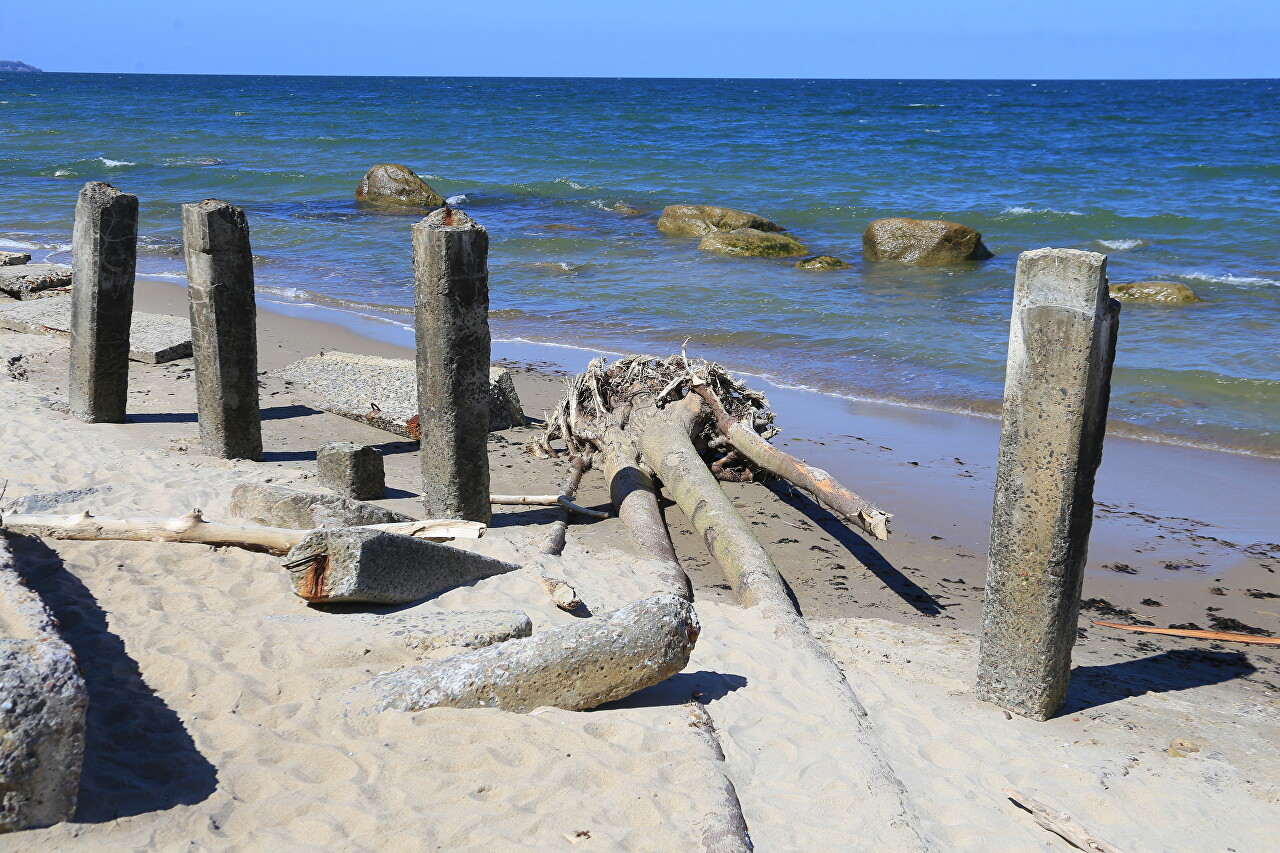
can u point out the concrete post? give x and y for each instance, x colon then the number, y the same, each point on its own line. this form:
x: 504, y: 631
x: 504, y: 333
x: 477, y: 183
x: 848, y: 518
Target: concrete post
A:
x: 224, y: 328
x: 1061, y: 345
x: 451, y: 312
x: 352, y: 470
x: 104, y: 254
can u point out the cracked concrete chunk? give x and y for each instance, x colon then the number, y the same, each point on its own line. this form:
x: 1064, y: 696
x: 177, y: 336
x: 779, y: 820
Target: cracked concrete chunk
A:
x: 277, y: 506
x: 153, y: 338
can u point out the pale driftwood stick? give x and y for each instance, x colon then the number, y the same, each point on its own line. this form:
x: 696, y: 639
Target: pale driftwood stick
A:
x: 1060, y: 823
x: 725, y: 829
x: 562, y: 594
x: 546, y: 500
x: 193, y: 528
x: 1229, y: 636
x: 830, y: 493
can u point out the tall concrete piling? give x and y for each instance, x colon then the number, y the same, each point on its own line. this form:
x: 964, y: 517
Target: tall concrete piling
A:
x: 1057, y: 383
x: 104, y: 255
x: 224, y: 328
x: 451, y: 316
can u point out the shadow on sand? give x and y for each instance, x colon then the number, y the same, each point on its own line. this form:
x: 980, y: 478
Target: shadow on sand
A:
x: 678, y: 689
x: 1180, y: 669
x: 138, y: 757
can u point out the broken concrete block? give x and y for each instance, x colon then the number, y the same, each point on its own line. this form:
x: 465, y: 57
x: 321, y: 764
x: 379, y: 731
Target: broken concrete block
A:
x: 277, y: 506
x: 153, y: 338
x: 574, y: 667
x: 357, y: 564
x: 42, y: 709
x: 383, y: 392
x: 29, y: 281
x: 352, y: 470
x: 13, y: 259
x: 420, y: 632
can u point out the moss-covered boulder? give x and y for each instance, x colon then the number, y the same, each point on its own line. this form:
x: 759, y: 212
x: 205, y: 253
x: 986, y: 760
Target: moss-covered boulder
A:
x: 821, y: 262
x: 928, y: 242
x: 394, y: 185
x: 695, y: 220
x: 752, y: 243
x: 1154, y: 292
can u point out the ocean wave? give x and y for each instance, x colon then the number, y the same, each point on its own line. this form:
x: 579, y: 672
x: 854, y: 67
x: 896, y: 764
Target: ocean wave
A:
x: 456, y: 200
x: 111, y: 164
x: 27, y: 246
x: 1025, y: 211
x: 1230, y: 279
x: 1121, y: 245
x: 570, y: 183
x: 63, y: 173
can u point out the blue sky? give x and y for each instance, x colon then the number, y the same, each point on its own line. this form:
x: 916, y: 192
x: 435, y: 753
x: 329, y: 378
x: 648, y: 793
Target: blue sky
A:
x: 658, y: 38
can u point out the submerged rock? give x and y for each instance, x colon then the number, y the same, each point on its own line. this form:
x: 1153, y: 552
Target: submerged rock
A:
x: 694, y: 220
x: 1154, y: 292
x: 394, y: 185
x: 751, y: 242
x: 822, y: 262
x: 927, y: 242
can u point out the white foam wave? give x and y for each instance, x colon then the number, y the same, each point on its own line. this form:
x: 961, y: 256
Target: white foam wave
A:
x: 172, y: 276
x: 1121, y: 245
x: 1231, y: 279
x: 571, y: 183
x: 111, y: 164
x: 17, y: 244
x: 1024, y: 211
x: 456, y: 199
x: 23, y: 245
x: 62, y: 173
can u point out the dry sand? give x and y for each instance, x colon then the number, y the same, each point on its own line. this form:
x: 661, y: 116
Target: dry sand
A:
x: 217, y: 718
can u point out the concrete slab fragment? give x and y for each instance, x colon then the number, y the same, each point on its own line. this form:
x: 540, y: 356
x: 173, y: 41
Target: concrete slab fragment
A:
x: 361, y: 565
x: 277, y: 506
x: 13, y: 259
x: 423, y: 632
x: 153, y: 338
x: 30, y: 281
x: 383, y: 392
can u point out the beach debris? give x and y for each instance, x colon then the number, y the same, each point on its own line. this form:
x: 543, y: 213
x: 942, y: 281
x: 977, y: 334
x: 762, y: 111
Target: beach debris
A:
x: 153, y: 338
x: 451, y: 315
x: 193, y: 528
x: 421, y: 632
x: 31, y: 281
x: 546, y: 500
x: 48, y: 502
x: 574, y: 667
x: 383, y: 392
x: 104, y: 254
x: 1057, y: 384
x: 927, y: 242
x: 376, y: 566
x: 1154, y: 292
x: 224, y: 323
x: 1226, y: 636
x: 352, y: 470
x: 1060, y: 823
x: 724, y: 830
x: 43, y: 701
x: 752, y: 243
x: 396, y: 185
x: 278, y: 506
x: 696, y: 220
x: 821, y: 262
x: 14, y: 259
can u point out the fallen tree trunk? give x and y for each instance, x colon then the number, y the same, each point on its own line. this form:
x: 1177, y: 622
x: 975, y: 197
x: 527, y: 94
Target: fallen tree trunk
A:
x: 193, y: 528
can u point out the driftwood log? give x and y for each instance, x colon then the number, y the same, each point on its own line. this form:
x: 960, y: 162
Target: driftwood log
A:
x: 193, y: 527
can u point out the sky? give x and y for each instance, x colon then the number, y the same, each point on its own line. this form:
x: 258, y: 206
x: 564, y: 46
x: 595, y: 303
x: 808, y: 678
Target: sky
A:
x: 893, y: 39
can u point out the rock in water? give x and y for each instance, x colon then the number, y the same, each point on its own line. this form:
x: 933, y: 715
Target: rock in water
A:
x: 574, y: 667
x: 752, y: 243
x: 362, y: 565
x: 928, y: 242
x: 822, y: 262
x: 694, y: 220
x: 1154, y: 292
x: 394, y: 185
x: 276, y: 506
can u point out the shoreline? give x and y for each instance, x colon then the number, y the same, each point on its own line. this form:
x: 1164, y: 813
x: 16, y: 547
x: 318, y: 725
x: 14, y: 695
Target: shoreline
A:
x: 1171, y: 521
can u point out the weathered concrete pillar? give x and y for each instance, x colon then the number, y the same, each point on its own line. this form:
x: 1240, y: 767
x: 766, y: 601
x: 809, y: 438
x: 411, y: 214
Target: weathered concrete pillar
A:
x: 352, y: 470
x: 224, y: 328
x: 104, y: 254
x: 1061, y: 345
x: 451, y: 312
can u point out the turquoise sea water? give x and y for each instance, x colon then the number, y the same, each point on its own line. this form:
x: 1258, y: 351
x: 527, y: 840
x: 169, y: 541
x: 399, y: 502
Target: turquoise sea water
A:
x: 1173, y: 180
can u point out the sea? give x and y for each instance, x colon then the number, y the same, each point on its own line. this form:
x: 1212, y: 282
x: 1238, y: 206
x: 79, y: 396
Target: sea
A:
x: 1172, y: 180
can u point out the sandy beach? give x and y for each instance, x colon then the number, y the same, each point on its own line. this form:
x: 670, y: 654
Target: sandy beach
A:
x: 217, y: 717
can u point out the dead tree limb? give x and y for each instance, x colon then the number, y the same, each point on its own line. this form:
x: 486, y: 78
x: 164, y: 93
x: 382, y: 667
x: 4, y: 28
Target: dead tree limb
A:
x: 724, y: 830
x: 1060, y: 823
x: 546, y: 500
x: 193, y: 528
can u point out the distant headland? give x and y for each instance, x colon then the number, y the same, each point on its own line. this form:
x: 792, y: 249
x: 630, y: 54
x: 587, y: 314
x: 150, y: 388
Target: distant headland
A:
x: 14, y: 65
